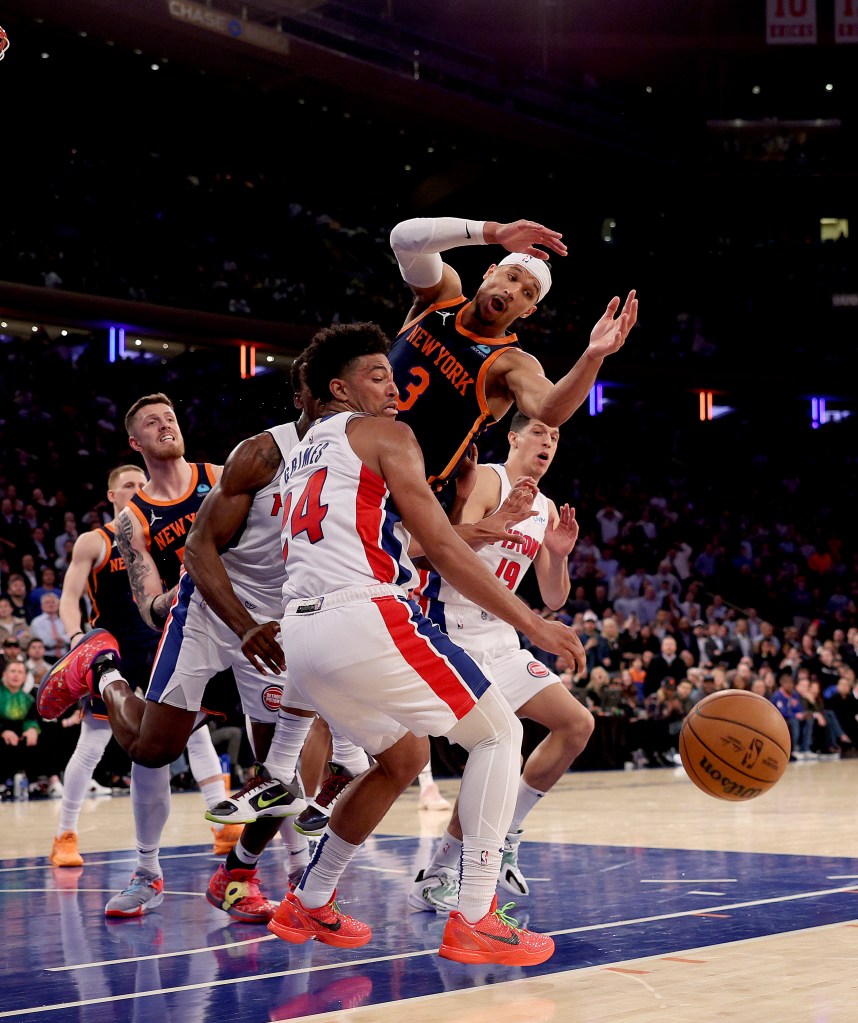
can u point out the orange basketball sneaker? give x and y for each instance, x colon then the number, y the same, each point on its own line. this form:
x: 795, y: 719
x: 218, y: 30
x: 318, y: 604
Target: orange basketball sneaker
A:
x: 294, y: 922
x: 496, y: 938
x: 71, y: 677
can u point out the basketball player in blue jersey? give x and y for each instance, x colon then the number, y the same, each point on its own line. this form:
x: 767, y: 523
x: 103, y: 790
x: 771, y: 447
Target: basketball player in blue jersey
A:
x: 98, y: 570
x: 150, y: 534
x: 458, y: 367
x: 547, y: 537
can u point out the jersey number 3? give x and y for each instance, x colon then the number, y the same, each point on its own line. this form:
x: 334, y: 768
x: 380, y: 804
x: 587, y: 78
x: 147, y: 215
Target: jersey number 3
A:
x: 308, y: 514
x: 421, y: 382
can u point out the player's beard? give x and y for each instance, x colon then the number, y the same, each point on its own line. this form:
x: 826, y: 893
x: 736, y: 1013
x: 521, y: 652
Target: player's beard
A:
x: 168, y: 452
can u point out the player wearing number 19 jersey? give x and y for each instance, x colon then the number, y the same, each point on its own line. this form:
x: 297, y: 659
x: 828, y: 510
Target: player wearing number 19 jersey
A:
x: 533, y: 691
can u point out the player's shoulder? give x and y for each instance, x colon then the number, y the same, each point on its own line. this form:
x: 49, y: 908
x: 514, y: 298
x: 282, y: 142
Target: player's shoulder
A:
x: 90, y: 545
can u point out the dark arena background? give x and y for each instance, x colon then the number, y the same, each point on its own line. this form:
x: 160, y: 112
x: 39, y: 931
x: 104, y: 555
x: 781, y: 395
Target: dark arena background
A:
x: 191, y: 190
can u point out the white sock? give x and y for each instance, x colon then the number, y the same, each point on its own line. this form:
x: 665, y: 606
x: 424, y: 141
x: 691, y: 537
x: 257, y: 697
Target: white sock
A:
x: 347, y: 755
x: 248, y: 859
x: 448, y: 853
x: 528, y: 797
x: 330, y: 859
x: 425, y: 777
x: 214, y: 792
x: 480, y: 868
x: 111, y: 675
x: 289, y: 735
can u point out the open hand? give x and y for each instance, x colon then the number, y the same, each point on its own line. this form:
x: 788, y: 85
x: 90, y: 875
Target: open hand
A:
x: 609, y: 334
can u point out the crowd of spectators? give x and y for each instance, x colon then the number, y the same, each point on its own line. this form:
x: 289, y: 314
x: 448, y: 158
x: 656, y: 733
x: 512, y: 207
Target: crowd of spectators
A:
x: 711, y: 554
x: 679, y: 587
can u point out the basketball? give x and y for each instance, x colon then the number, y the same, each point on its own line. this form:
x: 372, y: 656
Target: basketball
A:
x: 734, y: 745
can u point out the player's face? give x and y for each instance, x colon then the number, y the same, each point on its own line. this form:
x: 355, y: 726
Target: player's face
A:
x: 507, y: 293
x: 126, y: 487
x: 534, y: 447
x: 370, y: 386
x: 157, y: 435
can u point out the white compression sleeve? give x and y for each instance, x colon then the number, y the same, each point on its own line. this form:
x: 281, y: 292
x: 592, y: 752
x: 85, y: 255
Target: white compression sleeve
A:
x: 417, y: 243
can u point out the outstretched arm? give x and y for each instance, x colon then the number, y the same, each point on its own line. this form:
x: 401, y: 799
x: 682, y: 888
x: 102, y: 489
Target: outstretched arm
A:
x: 251, y: 466
x: 553, y: 404
x: 400, y: 461
x: 418, y: 243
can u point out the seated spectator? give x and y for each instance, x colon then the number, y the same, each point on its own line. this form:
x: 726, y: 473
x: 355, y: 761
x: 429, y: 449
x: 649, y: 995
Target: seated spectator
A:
x: 827, y: 733
x: 665, y: 663
x: 37, y: 665
x: 47, y: 584
x: 844, y: 704
x: 48, y: 627
x: 16, y: 594
x: 19, y: 727
x: 12, y: 627
x: 800, y: 724
x: 609, y: 653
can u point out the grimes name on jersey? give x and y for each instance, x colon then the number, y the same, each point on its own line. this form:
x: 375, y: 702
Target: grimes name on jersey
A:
x: 309, y: 456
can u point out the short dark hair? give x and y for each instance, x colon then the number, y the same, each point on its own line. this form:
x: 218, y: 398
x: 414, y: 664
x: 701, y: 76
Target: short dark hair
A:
x: 518, y: 422
x: 332, y: 351
x: 158, y: 398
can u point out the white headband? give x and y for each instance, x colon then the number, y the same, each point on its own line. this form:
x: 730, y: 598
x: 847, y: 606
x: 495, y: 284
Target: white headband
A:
x: 538, y: 267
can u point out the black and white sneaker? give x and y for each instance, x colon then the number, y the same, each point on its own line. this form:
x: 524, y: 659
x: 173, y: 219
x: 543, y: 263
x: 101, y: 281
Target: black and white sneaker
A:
x: 260, y: 796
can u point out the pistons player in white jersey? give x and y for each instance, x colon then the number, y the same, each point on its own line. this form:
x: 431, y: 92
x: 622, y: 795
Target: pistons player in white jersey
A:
x: 546, y: 539
x: 353, y: 492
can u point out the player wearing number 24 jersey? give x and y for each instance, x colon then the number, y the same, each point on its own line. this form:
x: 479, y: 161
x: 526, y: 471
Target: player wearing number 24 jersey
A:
x: 352, y: 492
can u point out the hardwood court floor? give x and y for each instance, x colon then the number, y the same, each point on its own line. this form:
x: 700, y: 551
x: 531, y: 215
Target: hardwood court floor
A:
x: 666, y: 905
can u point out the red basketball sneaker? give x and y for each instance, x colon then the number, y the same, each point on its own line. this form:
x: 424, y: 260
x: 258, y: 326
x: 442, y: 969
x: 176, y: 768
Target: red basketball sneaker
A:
x: 71, y: 677
x: 496, y: 938
x: 293, y: 922
x: 237, y: 892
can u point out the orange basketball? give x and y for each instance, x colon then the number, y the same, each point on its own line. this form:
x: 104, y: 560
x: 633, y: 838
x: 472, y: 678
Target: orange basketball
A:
x: 734, y: 745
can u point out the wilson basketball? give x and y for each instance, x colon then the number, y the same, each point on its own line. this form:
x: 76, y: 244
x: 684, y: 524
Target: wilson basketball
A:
x: 734, y: 745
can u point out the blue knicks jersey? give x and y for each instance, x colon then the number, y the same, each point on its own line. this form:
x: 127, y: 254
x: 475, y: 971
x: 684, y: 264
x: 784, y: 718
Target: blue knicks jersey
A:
x: 440, y: 369
x: 166, y: 523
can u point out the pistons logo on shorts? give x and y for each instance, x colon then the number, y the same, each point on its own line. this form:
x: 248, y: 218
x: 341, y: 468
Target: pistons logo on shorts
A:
x: 271, y: 697
x: 538, y: 669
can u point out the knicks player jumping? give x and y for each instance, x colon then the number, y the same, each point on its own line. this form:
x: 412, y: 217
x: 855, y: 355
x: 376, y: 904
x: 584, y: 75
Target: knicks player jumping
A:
x: 548, y: 537
x: 458, y: 367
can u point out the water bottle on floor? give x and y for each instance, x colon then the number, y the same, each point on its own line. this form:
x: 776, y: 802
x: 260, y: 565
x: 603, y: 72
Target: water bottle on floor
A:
x: 21, y: 786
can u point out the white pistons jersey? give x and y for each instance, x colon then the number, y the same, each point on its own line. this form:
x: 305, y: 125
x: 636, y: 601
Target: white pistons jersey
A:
x: 253, y: 561
x: 340, y: 528
x: 506, y: 560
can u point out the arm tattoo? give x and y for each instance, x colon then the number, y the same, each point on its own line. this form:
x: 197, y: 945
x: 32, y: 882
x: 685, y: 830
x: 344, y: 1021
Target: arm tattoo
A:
x: 138, y: 570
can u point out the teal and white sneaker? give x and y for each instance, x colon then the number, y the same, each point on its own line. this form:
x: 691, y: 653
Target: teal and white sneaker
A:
x: 143, y: 894
x: 437, y: 892
x: 510, y: 877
